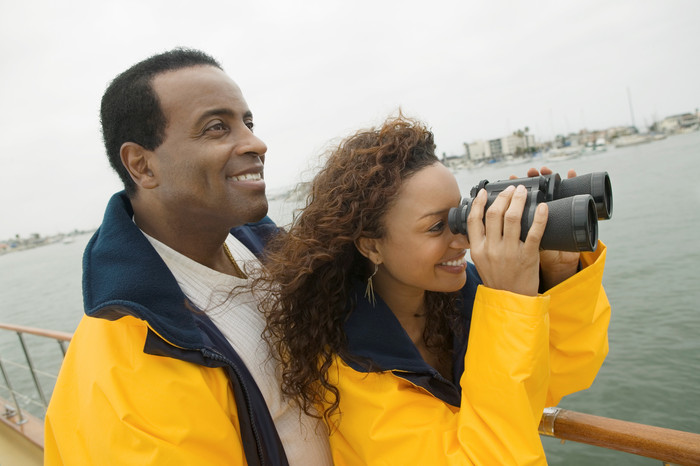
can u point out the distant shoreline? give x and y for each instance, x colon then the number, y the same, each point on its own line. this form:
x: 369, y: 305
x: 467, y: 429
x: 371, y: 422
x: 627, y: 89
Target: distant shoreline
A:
x: 36, y: 241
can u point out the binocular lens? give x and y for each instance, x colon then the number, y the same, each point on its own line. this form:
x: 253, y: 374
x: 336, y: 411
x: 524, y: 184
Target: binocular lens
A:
x: 597, y: 185
x: 572, y: 224
x: 457, y: 217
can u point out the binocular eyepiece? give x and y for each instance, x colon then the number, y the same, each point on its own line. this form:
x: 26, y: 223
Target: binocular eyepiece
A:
x: 575, y: 206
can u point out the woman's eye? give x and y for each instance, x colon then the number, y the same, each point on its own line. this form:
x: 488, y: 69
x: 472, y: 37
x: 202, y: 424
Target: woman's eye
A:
x: 439, y: 226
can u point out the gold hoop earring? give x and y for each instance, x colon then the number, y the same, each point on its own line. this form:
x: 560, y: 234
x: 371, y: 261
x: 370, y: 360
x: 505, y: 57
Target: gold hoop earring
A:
x: 369, y: 291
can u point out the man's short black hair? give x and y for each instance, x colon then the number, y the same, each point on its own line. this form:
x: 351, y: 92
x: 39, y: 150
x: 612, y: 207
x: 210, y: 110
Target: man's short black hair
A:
x: 130, y: 110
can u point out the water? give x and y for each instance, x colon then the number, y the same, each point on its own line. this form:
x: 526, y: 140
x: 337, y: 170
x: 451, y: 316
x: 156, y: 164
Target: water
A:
x: 39, y: 287
x: 652, y: 374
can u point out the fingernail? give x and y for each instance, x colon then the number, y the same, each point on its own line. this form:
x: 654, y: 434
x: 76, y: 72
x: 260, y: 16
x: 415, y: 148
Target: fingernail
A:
x: 509, y: 189
x: 521, y: 188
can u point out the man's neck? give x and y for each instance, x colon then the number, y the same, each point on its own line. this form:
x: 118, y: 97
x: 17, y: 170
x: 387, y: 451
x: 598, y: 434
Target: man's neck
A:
x: 203, y: 243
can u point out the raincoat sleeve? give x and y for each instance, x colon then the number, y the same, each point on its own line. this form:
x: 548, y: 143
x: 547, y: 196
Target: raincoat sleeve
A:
x: 114, y: 404
x: 579, y: 317
x: 387, y: 420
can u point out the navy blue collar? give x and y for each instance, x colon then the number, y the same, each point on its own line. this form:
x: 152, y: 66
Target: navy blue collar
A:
x: 375, y: 334
x: 123, y: 274
x: 376, y: 341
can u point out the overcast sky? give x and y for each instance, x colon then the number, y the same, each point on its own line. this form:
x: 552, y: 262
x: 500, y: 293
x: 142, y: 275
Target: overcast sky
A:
x: 314, y: 71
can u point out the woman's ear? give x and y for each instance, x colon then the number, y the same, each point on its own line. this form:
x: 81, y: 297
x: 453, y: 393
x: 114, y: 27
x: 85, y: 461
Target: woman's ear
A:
x: 369, y: 248
x: 140, y: 164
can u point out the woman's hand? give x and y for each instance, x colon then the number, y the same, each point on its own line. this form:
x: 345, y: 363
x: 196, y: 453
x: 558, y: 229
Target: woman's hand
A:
x: 556, y: 266
x: 502, y: 260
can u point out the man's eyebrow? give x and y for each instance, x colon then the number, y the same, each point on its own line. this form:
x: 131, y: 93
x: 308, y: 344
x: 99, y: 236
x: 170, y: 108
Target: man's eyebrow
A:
x: 221, y: 111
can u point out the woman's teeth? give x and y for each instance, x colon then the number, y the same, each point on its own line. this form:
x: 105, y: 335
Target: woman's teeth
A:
x: 455, y: 263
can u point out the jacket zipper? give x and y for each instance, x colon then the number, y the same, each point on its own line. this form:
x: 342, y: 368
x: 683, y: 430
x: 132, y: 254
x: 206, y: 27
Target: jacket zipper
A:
x: 219, y: 357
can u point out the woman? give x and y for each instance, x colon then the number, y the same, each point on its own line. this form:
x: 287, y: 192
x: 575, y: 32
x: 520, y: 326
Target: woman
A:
x: 411, y: 354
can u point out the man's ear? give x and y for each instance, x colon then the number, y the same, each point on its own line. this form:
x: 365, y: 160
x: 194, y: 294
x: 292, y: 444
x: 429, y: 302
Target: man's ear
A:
x: 140, y: 163
x: 369, y: 248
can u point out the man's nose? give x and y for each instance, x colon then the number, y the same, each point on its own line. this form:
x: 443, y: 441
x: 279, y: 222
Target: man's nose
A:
x: 252, y: 145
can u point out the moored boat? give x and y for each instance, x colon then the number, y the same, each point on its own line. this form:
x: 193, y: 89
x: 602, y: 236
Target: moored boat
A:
x: 632, y: 140
x: 563, y: 153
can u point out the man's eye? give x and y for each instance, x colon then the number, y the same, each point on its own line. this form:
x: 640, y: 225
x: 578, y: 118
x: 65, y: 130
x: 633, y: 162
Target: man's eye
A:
x: 219, y: 126
x: 250, y: 125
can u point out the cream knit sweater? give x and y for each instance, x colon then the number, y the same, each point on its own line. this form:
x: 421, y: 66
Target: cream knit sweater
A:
x: 305, y: 441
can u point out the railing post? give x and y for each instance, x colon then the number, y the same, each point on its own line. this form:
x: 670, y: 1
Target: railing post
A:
x: 21, y: 420
x: 31, y: 369
x: 62, y: 345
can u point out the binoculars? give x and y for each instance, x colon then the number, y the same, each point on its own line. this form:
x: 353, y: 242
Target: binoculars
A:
x: 575, y: 206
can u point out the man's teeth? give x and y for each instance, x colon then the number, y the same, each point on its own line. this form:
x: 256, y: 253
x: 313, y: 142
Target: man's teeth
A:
x: 455, y: 263
x: 248, y: 176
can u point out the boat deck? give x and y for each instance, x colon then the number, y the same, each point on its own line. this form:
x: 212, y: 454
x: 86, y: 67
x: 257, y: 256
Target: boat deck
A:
x: 21, y: 445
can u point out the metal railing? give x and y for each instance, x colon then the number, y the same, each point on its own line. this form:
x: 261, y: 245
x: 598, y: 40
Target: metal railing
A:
x: 15, y: 411
x: 667, y: 445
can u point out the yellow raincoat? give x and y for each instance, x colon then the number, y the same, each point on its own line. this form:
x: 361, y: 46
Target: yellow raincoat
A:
x: 524, y: 353
x: 186, y: 416
x: 146, y: 379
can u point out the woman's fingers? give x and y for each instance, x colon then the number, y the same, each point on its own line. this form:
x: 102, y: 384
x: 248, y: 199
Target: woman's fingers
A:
x: 503, y: 261
x: 495, y: 214
x: 513, y: 215
x: 475, y: 220
x: 534, y: 235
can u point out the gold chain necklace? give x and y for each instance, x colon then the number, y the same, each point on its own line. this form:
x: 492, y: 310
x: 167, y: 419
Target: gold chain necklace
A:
x: 239, y: 272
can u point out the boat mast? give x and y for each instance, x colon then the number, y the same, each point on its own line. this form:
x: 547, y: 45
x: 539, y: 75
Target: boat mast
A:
x: 629, y: 99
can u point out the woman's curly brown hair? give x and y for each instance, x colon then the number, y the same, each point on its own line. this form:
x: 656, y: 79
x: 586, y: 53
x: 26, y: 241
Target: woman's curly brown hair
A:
x: 310, y: 270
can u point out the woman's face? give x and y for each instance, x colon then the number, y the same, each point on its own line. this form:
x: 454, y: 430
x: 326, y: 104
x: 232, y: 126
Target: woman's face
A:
x: 419, y: 252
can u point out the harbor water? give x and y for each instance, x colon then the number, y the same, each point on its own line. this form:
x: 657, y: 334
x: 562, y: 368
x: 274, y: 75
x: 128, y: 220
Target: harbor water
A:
x: 652, y: 277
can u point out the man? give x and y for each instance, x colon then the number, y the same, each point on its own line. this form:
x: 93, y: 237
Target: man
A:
x: 168, y: 366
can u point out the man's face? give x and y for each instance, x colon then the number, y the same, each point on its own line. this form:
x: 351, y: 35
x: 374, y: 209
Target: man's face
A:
x: 209, y: 167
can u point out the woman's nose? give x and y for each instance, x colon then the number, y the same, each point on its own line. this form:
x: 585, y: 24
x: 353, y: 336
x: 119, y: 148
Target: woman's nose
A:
x: 459, y: 241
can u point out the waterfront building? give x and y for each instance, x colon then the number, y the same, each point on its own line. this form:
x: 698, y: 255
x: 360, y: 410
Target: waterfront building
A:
x: 678, y: 123
x: 478, y: 151
x: 499, y: 148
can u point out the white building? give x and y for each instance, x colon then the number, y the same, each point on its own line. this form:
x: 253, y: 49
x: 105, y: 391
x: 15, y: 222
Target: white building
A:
x: 478, y: 150
x: 675, y: 123
x: 514, y: 144
x: 498, y: 148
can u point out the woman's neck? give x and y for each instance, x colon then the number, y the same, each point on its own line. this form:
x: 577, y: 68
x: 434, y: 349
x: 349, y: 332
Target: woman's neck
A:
x: 409, y: 310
